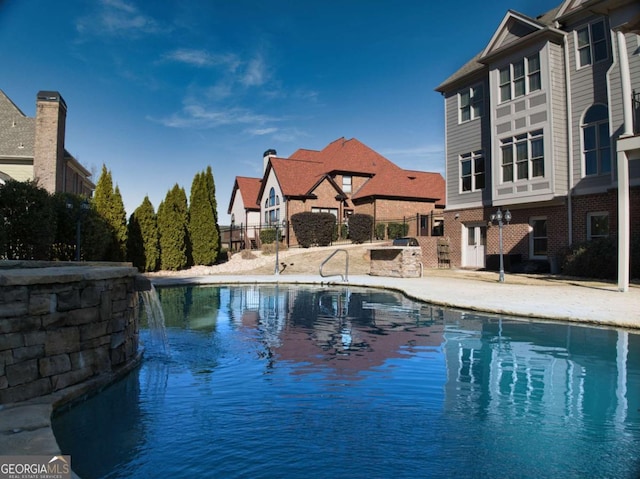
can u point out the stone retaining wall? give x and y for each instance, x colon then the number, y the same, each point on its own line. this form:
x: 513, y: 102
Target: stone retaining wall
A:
x: 61, y: 325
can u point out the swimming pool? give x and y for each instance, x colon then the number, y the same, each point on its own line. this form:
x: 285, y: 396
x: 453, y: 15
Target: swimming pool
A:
x: 273, y: 381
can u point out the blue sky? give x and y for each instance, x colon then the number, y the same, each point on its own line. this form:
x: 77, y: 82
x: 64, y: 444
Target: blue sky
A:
x: 157, y: 90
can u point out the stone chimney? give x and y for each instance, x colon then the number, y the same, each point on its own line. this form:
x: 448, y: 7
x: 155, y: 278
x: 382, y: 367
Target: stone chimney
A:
x: 48, y: 155
x: 265, y: 159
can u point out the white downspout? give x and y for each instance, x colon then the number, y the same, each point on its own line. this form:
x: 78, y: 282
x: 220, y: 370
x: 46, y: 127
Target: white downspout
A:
x: 623, y: 168
x: 567, y: 73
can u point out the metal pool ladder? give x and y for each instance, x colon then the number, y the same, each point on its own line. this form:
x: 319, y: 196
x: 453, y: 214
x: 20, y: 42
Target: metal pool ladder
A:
x: 345, y: 276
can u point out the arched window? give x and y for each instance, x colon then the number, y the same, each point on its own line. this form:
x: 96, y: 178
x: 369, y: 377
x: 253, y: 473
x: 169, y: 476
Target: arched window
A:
x: 272, y: 197
x: 596, y: 142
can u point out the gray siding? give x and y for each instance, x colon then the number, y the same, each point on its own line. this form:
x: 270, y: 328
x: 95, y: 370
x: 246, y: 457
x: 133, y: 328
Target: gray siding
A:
x: 558, y: 134
x: 588, y: 87
x: 534, y: 111
x: 465, y: 138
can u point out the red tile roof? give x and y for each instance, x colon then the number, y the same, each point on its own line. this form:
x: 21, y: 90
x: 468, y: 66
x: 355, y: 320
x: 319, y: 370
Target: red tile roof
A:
x: 299, y: 174
x: 249, y: 188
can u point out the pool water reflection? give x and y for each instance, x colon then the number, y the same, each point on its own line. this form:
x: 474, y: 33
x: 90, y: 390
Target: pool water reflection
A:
x: 272, y: 381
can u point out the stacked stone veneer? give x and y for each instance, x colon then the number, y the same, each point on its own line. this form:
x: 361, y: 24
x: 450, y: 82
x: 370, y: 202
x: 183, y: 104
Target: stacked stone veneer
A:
x: 60, y: 326
x: 396, y: 261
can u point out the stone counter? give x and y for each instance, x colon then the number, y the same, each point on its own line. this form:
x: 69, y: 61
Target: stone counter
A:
x: 396, y: 261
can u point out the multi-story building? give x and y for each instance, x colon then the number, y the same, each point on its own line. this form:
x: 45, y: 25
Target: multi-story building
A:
x: 34, y: 148
x: 540, y: 122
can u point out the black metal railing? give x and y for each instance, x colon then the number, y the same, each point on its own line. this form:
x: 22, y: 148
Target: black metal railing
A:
x: 238, y: 237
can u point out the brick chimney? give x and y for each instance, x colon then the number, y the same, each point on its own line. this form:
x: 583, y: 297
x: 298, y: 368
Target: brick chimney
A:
x: 48, y: 155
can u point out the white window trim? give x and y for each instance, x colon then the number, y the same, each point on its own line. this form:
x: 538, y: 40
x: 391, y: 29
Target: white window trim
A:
x: 526, y: 76
x: 583, y: 166
x: 591, y: 215
x: 472, y: 157
x: 472, y: 90
x: 531, y: 221
x: 513, y: 141
x: 577, y: 50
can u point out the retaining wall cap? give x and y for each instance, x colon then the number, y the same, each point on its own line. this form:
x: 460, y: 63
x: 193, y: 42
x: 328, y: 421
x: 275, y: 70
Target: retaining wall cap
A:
x: 63, y: 274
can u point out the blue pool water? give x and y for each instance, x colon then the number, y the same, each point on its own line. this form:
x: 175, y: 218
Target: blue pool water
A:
x: 295, y: 382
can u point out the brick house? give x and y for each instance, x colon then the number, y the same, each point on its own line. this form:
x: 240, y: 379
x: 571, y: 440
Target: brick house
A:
x: 34, y: 148
x: 540, y: 122
x: 344, y: 178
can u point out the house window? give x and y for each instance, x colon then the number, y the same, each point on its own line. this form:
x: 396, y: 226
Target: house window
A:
x: 538, y: 237
x: 596, y: 141
x: 527, y: 152
x: 472, y: 171
x: 597, y: 225
x: 591, y: 44
x: 520, y: 78
x: 471, y: 103
x: 272, y: 197
x: 346, y: 183
x: 333, y: 211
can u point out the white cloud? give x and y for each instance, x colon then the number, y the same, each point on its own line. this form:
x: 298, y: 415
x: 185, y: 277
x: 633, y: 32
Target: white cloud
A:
x: 197, y: 116
x: 118, y: 17
x: 202, y: 58
x: 261, y: 131
x: 256, y: 73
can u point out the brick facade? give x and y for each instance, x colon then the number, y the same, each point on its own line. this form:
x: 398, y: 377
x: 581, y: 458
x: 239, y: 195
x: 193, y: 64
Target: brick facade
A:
x: 517, y: 234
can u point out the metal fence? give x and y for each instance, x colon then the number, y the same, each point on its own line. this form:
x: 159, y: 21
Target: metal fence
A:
x: 239, y: 237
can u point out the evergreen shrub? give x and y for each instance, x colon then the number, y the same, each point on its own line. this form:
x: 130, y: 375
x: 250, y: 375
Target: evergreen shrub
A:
x: 397, y: 230
x: 360, y: 228
x: 313, y: 228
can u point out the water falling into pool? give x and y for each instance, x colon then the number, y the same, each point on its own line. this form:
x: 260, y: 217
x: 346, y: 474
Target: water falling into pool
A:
x: 154, y: 316
x: 268, y: 381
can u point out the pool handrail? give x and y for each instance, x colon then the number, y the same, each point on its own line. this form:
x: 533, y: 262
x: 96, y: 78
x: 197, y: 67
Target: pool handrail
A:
x: 345, y: 276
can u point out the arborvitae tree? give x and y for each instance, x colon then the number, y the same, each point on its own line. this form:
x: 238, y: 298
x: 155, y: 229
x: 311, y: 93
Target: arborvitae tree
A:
x: 108, y: 204
x: 142, y: 240
x: 211, y: 192
x: 120, y: 224
x: 202, y: 224
x: 172, y: 228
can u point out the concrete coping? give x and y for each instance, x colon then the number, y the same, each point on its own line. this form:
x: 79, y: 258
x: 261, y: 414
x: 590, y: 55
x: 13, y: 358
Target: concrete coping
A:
x: 23, y: 273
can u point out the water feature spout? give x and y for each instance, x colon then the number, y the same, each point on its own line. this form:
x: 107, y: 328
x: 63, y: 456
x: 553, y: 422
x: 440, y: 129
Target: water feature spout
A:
x: 154, y: 313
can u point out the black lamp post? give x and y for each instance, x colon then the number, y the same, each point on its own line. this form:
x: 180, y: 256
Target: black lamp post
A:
x: 498, y: 216
x: 231, y: 234
x: 284, y: 225
x: 80, y: 214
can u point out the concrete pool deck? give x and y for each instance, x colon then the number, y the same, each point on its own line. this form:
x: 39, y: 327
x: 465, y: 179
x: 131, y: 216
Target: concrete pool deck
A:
x: 25, y: 428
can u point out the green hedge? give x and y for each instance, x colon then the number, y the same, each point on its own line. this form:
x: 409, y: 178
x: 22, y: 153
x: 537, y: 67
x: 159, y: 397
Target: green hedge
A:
x: 313, y: 228
x: 360, y: 228
x: 397, y: 230
x: 268, y: 236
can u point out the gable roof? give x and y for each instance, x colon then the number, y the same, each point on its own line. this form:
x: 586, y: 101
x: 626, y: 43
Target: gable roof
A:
x: 300, y: 174
x: 248, y: 188
x: 405, y: 184
x: 17, y: 131
x: 514, y: 28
